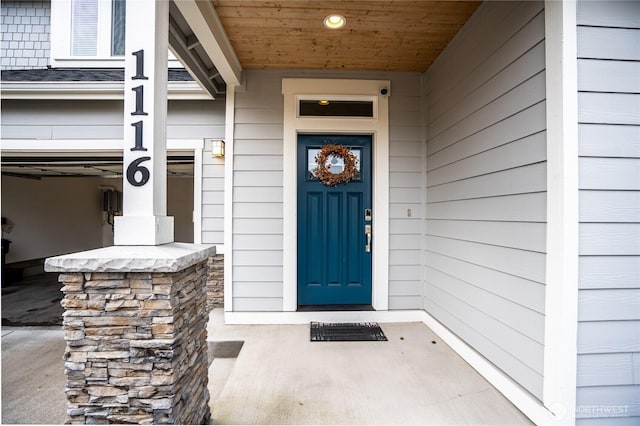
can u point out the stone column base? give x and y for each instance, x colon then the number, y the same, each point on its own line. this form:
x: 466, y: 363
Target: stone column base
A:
x: 135, y: 326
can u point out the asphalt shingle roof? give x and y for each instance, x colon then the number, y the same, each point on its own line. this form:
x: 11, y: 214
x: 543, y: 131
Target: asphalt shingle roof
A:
x: 81, y: 74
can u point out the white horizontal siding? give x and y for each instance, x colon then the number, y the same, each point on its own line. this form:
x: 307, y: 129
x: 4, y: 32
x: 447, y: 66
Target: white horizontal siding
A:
x: 608, y: 337
x: 608, y: 43
x: 590, y: 72
x: 521, y: 97
x: 608, y: 377
x: 610, y: 173
x: 527, y: 322
x: 525, y: 151
x: 23, y: 119
x: 482, y: 56
x: 525, y: 207
x: 608, y: 271
x: 611, y: 304
x: 198, y: 120
x: 621, y: 369
x: 608, y: 108
x: 622, y: 239
x: 606, y: 421
x: 459, y: 318
x: 523, y: 264
x: 622, y: 141
x: 523, y: 236
x: 518, y: 290
x: 611, y: 13
x: 94, y: 120
x: 527, y: 179
x: 529, y: 121
x: 257, y: 274
x: 615, y: 403
x: 610, y: 206
x: 523, y: 68
x: 486, y: 188
x: 406, y: 191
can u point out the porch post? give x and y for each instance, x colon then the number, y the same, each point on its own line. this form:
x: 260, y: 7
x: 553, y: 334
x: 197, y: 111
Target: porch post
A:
x: 145, y: 220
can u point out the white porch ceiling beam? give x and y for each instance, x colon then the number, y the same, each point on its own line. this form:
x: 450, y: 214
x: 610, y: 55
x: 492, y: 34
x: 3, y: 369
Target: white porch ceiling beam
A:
x: 206, y: 26
x: 180, y: 47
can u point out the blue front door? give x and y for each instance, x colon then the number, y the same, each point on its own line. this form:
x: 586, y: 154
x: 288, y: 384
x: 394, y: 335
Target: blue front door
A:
x: 334, y: 250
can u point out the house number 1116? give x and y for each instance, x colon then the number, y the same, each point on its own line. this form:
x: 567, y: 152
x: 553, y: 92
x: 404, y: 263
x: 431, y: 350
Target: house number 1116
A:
x: 137, y: 174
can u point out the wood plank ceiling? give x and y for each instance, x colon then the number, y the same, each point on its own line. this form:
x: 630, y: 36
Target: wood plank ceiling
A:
x: 380, y: 35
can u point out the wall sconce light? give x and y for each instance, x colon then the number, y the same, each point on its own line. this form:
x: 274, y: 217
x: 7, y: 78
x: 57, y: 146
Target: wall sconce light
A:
x: 217, y: 148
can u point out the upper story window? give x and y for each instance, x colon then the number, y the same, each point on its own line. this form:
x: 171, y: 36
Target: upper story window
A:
x: 89, y: 34
x: 97, y: 27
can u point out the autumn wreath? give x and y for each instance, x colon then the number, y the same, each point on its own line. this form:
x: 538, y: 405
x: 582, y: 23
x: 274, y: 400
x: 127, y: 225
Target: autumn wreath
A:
x: 322, y: 171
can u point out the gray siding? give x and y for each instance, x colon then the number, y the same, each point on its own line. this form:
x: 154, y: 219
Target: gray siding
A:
x: 608, y: 376
x: 25, y: 28
x: 95, y: 120
x: 258, y: 195
x: 406, y: 192
x: 258, y: 189
x: 486, y: 188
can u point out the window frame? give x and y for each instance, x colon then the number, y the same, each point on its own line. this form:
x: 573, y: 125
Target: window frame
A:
x: 61, y: 57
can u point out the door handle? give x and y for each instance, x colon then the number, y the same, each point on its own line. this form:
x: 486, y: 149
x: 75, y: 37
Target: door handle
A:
x: 367, y: 232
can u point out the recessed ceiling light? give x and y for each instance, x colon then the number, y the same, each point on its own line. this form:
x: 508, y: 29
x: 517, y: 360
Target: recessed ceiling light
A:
x: 333, y: 22
x: 323, y: 102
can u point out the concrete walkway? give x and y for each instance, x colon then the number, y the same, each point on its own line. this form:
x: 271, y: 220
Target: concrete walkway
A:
x: 33, y: 380
x: 280, y: 377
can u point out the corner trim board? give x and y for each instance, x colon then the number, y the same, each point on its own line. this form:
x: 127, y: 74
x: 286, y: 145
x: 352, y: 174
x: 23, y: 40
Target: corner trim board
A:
x: 561, y: 292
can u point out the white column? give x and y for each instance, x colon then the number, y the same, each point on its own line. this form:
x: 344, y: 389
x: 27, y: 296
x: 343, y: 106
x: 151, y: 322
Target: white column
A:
x: 561, y: 291
x: 145, y: 220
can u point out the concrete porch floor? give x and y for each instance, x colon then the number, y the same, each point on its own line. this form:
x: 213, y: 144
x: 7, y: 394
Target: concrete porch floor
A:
x: 280, y: 377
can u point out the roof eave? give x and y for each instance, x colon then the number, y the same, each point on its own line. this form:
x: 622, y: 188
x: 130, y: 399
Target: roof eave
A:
x: 90, y: 90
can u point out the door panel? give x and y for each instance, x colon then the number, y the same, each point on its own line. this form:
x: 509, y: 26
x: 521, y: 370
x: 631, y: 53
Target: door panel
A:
x: 334, y: 266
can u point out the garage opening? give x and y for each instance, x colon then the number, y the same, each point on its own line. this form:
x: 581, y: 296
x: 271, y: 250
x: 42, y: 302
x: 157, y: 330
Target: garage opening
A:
x: 55, y: 204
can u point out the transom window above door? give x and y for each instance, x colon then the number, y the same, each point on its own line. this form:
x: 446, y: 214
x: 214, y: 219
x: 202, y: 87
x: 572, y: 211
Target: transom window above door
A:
x: 335, y: 108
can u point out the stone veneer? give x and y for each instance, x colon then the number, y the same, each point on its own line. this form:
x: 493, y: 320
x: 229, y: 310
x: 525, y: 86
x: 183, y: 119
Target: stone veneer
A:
x: 215, y: 282
x: 136, y: 340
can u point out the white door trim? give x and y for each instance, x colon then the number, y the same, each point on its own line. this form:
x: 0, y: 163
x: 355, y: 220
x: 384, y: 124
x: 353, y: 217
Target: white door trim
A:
x: 294, y: 89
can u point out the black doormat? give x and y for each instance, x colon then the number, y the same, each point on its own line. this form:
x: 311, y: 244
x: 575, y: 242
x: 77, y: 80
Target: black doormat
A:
x: 346, y: 332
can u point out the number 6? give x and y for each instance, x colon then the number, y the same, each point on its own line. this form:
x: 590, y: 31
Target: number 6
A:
x: 135, y: 167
